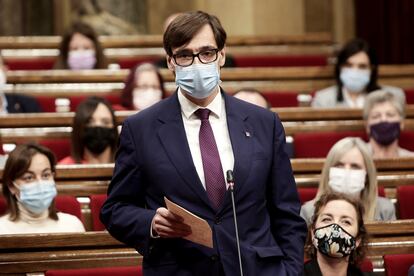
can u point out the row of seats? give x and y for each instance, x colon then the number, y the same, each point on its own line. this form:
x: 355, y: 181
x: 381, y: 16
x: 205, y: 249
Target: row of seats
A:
x: 69, y: 204
x: 395, y: 265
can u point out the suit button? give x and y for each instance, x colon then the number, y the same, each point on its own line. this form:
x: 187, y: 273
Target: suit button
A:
x: 217, y: 220
x: 214, y: 258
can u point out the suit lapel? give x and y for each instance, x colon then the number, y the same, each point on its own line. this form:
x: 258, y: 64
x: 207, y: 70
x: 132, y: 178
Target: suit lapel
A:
x: 241, y: 140
x: 174, y: 140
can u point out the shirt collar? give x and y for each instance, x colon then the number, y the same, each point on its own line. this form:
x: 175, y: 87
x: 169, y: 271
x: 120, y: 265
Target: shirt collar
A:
x: 188, y: 107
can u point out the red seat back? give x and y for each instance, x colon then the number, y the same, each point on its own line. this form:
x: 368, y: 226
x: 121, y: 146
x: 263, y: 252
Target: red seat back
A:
x: 366, y: 266
x: 102, y: 271
x: 76, y: 100
x: 307, y: 194
x: 398, y: 265
x: 282, y: 99
x: 41, y: 63
x: 61, y: 147
x: 96, y: 204
x: 409, y: 95
x: 407, y: 140
x: 64, y: 203
x: 318, y: 144
x: 405, y: 199
x: 284, y: 61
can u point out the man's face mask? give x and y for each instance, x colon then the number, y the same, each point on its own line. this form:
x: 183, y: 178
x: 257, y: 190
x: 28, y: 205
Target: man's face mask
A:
x: 37, y: 196
x: 198, y: 80
x: 81, y: 59
x: 355, y: 80
x: 333, y: 241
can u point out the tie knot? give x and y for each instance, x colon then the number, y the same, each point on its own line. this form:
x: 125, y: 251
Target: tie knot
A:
x: 203, y: 113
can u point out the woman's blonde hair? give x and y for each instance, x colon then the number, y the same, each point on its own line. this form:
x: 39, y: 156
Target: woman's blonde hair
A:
x: 370, y: 192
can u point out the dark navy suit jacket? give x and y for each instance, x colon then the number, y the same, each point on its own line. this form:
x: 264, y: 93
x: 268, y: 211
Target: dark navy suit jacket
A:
x: 154, y: 160
x: 21, y: 104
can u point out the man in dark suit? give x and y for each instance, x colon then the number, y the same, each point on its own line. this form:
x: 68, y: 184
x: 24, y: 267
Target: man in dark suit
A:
x: 181, y: 148
x: 14, y: 103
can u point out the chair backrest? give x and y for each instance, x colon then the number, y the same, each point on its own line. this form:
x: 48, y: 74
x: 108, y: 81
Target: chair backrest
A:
x: 405, y: 199
x: 102, y: 271
x: 3, y: 205
x: 318, y: 144
x: 96, y: 204
x: 366, y: 266
x: 398, y: 265
x: 273, y: 60
x: 282, y: 99
x: 307, y: 194
x: 61, y: 147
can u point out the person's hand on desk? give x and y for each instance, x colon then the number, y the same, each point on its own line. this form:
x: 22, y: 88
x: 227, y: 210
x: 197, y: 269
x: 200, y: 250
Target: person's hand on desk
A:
x: 168, y: 225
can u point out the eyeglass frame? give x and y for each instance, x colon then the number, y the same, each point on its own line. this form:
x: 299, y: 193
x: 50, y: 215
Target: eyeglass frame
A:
x: 216, y: 50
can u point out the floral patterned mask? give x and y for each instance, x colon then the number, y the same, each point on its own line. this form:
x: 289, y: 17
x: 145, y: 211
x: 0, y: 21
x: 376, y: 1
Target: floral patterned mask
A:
x: 333, y: 241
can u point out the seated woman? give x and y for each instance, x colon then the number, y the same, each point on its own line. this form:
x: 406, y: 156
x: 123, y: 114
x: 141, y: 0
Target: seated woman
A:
x: 384, y: 114
x: 337, y: 237
x: 94, y: 134
x: 356, y: 75
x: 350, y: 169
x: 29, y: 189
x: 144, y: 87
x: 80, y: 49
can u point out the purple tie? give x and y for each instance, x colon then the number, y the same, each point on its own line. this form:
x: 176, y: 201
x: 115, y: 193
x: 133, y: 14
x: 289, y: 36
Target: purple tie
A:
x: 213, y: 172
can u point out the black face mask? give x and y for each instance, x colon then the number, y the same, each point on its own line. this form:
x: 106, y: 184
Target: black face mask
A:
x: 97, y: 139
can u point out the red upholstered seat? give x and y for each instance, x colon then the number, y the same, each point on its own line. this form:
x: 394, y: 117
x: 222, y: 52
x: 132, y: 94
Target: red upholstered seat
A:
x: 409, y: 95
x: 47, y: 104
x: 41, y: 63
x: 284, y: 61
x: 282, y: 99
x: 308, y: 145
x: 307, y: 194
x: 366, y: 266
x: 398, y: 265
x: 96, y: 204
x: 59, y: 146
x: 76, y: 100
x: 64, y: 203
x: 104, y: 271
x: 407, y: 140
x: 405, y: 199
x: 131, y: 62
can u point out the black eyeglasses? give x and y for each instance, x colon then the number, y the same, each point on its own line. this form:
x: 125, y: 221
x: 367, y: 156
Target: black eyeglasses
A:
x: 187, y: 58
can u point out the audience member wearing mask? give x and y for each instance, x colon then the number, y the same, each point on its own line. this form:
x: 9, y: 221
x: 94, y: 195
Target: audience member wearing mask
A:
x: 80, y: 49
x: 144, y: 87
x: 337, y: 237
x: 384, y: 114
x: 14, y: 103
x: 29, y: 188
x: 350, y: 169
x: 252, y: 96
x: 356, y: 75
x: 94, y: 134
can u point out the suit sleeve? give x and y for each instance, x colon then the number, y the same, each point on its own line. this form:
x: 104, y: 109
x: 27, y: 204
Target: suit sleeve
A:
x: 288, y: 227
x: 124, y: 213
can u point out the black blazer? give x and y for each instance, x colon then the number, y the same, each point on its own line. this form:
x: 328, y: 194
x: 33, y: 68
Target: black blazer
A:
x: 21, y: 104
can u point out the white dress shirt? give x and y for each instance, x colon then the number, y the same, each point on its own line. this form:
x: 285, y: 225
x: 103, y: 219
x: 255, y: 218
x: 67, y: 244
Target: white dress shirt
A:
x: 218, y: 122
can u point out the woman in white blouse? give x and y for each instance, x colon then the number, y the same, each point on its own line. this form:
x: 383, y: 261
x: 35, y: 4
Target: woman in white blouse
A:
x: 29, y: 188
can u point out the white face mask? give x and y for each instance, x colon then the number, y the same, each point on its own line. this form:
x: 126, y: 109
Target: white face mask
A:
x: 81, y: 59
x: 143, y: 98
x: 355, y: 80
x: 347, y: 181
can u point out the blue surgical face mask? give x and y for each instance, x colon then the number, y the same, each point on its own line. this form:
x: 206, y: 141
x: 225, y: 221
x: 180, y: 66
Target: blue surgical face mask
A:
x: 198, y: 80
x: 37, y: 196
x: 355, y: 80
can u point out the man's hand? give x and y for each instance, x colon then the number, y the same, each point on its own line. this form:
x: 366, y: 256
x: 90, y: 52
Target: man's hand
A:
x: 168, y: 225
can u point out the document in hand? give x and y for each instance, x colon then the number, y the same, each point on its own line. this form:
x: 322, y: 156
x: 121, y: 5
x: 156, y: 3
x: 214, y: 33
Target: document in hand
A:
x: 201, y: 231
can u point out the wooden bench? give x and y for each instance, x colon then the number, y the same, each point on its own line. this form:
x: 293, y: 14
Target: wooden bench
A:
x: 20, y: 254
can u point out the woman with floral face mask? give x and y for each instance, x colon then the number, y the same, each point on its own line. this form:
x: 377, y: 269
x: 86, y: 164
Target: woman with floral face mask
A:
x: 94, y: 134
x: 383, y: 115
x: 144, y: 87
x: 29, y: 189
x: 356, y: 75
x: 350, y: 169
x: 337, y: 237
x: 80, y: 49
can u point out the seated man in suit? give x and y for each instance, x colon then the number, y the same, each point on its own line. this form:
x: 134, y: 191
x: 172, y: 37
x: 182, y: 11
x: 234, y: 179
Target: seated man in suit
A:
x: 181, y: 147
x: 14, y: 103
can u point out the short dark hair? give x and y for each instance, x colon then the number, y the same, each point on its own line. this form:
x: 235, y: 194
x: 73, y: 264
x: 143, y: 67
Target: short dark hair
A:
x: 89, y: 32
x: 83, y: 115
x: 359, y: 253
x: 131, y: 80
x: 351, y: 48
x: 183, y: 28
x: 17, y: 164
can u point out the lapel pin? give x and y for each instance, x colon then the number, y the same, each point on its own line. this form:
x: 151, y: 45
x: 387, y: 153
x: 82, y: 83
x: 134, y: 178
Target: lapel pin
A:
x: 247, y: 133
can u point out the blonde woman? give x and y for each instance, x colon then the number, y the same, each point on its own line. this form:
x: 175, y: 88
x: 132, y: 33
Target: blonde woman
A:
x: 349, y: 169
